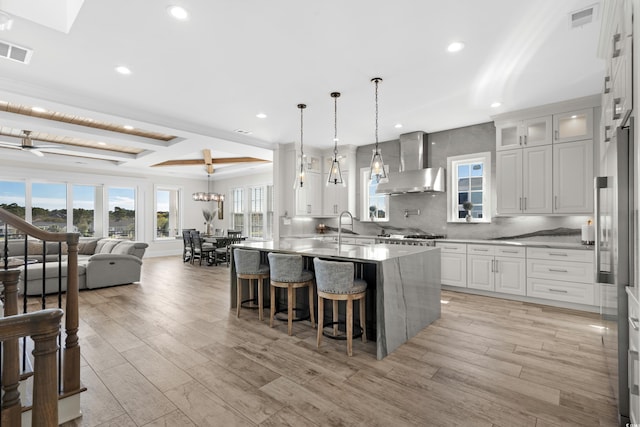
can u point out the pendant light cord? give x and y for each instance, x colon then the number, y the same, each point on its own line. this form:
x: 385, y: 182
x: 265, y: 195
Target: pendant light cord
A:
x: 376, y: 82
x: 335, y: 126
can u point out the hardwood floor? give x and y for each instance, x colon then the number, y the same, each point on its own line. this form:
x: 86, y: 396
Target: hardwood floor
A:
x: 170, y: 352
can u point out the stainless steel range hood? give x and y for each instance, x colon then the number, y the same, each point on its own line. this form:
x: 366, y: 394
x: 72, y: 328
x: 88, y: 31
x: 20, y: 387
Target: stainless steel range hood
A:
x: 414, y: 175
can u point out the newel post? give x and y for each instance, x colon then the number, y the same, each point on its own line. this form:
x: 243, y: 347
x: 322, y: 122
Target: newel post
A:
x: 11, y: 406
x: 71, y: 352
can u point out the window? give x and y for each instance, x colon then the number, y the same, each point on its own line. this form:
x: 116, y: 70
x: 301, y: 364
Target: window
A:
x: 49, y: 206
x: 13, y: 198
x: 470, y: 188
x: 374, y: 207
x: 268, y: 234
x: 167, y: 212
x: 237, y: 209
x: 256, y: 214
x: 84, y: 214
x: 122, y: 213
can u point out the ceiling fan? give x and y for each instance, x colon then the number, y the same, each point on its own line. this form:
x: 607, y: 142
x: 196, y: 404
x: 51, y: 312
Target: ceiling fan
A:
x: 26, y: 144
x: 208, y: 161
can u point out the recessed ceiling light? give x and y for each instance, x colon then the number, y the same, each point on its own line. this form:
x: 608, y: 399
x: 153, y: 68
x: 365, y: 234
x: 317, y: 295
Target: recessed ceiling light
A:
x: 102, y: 143
x: 455, y: 47
x: 398, y: 125
x: 128, y: 127
x: 261, y: 115
x: 38, y: 110
x: 178, y: 12
x: 496, y: 104
x: 123, y: 70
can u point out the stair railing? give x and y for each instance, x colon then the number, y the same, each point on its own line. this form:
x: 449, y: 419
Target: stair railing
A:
x: 66, y: 379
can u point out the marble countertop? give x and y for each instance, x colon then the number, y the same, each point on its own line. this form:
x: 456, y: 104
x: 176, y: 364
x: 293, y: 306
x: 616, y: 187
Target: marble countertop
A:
x: 314, y: 247
x: 524, y: 243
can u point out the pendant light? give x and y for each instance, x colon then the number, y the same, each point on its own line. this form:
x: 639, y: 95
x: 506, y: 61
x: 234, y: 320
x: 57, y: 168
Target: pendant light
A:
x: 377, y: 170
x: 335, y: 176
x: 301, y: 175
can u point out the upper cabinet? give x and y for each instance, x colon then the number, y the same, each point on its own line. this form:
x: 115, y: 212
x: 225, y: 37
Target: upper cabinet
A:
x: 523, y: 133
x: 615, y: 48
x: 544, y: 162
x: 573, y: 126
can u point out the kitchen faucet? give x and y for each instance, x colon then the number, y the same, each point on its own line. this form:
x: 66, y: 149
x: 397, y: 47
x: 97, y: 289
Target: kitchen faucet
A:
x: 340, y: 225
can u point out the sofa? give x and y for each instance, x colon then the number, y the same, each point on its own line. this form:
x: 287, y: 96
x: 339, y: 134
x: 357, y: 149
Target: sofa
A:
x: 101, y: 262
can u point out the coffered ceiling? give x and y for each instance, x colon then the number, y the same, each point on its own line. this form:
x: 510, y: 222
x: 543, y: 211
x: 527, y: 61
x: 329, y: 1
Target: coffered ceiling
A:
x: 200, y: 83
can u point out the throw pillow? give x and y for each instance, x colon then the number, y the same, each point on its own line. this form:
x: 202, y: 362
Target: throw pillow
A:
x: 87, y: 247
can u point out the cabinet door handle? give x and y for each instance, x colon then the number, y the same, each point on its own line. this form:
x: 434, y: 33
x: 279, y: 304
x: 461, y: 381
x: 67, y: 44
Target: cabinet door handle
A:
x: 480, y: 250
x: 634, y: 323
x: 495, y: 269
x: 555, y: 202
x: 558, y: 270
x: 449, y: 247
x: 520, y: 204
x: 607, y: 129
x: 560, y: 291
x: 558, y: 254
x: 509, y: 252
x: 525, y: 140
x: 308, y: 209
x: 617, y: 108
x: 607, y: 80
x: 520, y: 140
x: 557, y: 135
x: 631, y: 359
x: 616, y: 50
x: 525, y: 204
x: 492, y: 261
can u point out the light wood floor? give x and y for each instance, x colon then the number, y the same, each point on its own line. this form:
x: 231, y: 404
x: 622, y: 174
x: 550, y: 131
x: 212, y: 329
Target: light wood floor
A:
x: 170, y: 352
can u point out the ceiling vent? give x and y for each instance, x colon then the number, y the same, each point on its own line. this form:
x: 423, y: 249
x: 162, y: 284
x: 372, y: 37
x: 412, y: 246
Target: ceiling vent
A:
x: 582, y: 17
x: 243, y: 132
x: 15, y: 53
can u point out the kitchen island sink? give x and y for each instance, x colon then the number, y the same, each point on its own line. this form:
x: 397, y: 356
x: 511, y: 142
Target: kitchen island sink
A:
x: 403, y: 294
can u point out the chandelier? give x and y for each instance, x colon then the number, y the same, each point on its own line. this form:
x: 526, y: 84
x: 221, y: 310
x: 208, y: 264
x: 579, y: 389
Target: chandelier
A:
x: 208, y: 196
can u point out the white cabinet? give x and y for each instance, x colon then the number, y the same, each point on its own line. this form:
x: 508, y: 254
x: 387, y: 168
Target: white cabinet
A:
x: 573, y: 177
x: 524, y: 180
x: 308, y: 198
x: 496, y: 268
x: 634, y: 347
x: 523, y: 133
x: 453, y: 261
x: 561, y: 275
x: 573, y: 126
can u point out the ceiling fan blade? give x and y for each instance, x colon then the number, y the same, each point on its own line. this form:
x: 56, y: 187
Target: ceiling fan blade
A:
x: 207, y: 156
x: 188, y: 162
x: 9, y: 144
x: 36, y: 152
x: 237, y: 160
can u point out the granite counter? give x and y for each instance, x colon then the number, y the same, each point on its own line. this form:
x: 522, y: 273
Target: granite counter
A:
x: 403, y: 283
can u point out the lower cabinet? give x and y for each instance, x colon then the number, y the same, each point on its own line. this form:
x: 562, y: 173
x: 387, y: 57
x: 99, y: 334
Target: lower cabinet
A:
x: 496, y: 268
x: 562, y: 275
x: 453, y: 265
x: 634, y: 347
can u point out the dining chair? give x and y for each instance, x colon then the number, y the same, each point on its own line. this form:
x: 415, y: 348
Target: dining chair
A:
x: 201, y: 248
x: 234, y: 233
x: 187, y: 250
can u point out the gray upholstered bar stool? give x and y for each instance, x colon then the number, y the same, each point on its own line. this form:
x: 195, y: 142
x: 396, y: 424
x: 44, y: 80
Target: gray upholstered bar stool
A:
x: 248, y: 267
x: 287, y: 272
x: 335, y: 282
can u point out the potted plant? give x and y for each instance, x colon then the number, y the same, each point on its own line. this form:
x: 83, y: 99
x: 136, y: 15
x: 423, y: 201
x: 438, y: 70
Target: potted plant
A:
x: 208, y: 217
x: 467, y: 207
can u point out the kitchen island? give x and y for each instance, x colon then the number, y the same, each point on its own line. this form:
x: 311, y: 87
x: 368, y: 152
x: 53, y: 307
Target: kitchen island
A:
x: 403, y: 283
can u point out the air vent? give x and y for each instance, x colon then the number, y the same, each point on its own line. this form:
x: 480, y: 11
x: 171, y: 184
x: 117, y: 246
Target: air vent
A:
x: 15, y: 53
x: 244, y: 132
x: 582, y: 17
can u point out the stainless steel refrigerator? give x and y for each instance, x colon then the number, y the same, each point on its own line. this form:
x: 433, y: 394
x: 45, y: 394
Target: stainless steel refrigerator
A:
x: 615, y: 231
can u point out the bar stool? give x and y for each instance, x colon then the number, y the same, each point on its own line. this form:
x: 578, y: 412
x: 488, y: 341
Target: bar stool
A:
x: 287, y: 273
x: 335, y: 282
x: 248, y: 267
